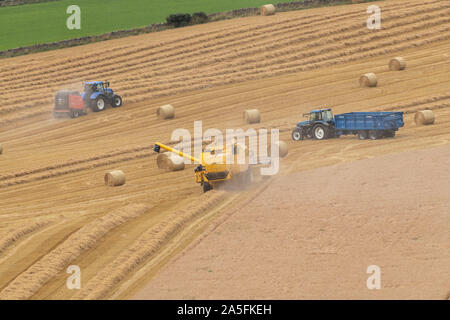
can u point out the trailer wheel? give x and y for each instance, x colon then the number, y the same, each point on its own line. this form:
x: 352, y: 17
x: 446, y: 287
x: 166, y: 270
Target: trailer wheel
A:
x: 99, y: 104
x: 320, y: 132
x: 206, y: 187
x: 389, y: 133
x: 116, y: 101
x: 74, y: 113
x: 297, y: 134
x: 373, y: 134
x: 362, y: 135
x: 332, y: 133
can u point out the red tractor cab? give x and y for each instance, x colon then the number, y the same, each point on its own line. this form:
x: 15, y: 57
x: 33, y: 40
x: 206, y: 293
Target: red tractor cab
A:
x: 69, y: 103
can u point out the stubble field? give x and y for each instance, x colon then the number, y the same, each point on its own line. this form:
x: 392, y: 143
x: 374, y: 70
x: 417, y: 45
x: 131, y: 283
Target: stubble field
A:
x: 55, y: 210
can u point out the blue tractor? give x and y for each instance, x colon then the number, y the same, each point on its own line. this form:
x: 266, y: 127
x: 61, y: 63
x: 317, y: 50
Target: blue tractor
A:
x: 318, y: 125
x: 321, y: 124
x: 97, y: 94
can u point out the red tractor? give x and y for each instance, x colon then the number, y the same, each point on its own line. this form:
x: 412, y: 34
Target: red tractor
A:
x: 96, y: 95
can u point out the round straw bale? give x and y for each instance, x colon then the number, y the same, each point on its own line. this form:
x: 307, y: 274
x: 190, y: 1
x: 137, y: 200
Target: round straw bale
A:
x: 267, y: 10
x: 115, y: 178
x: 165, y: 112
x: 1, y: 149
x: 169, y: 162
x: 368, y: 80
x: 177, y: 162
x: 424, y: 117
x: 162, y: 161
x: 397, y: 64
x: 252, y: 116
x: 282, y: 149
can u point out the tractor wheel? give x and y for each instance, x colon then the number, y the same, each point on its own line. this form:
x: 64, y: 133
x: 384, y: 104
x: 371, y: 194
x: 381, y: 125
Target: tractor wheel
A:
x: 320, y: 132
x: 389, y: 133
x: 373, y: 134
x: 297, y: 134
x: 206, y: 187
x: 362, y: 135
x: 116, y: 101
x: 75, y: 113
x: 99, y: 104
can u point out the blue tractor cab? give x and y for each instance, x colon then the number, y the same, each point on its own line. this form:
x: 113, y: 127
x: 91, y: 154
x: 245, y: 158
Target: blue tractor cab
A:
x: 318, y: 125
x: 97, y: 94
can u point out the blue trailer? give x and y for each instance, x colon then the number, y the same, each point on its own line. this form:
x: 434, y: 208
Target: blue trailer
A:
x: 322, y: 125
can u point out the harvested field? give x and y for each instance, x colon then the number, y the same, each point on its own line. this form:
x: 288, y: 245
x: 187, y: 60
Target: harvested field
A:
x: 30, y: 281
x: 278, y: 246
x: 52, y: 170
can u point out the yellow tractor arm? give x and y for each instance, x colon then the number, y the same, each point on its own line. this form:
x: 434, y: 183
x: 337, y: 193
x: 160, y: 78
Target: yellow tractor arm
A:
x: 158, y: 147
